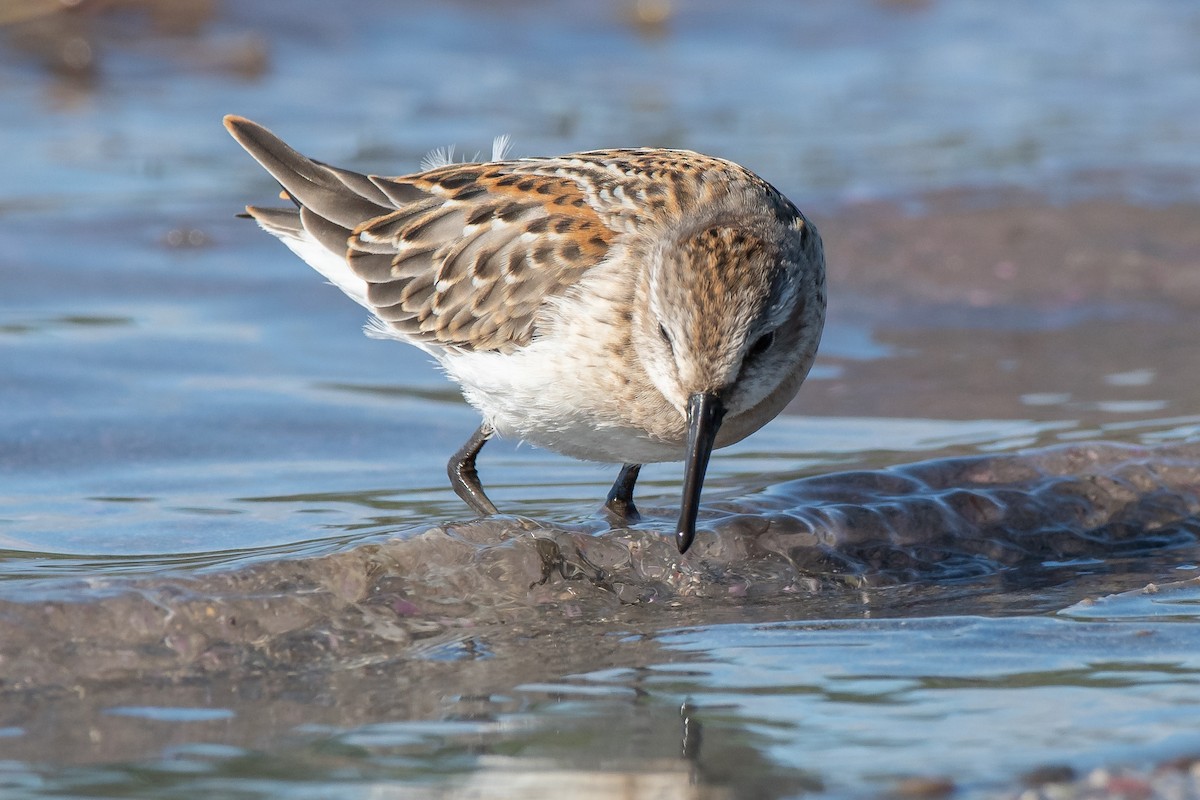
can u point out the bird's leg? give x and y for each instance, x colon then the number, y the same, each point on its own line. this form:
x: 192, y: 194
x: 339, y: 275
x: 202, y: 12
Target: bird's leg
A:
x: 620, y: 499
x: 464, y: 478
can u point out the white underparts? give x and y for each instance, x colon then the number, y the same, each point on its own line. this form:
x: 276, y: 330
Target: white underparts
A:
x: 331, y: 265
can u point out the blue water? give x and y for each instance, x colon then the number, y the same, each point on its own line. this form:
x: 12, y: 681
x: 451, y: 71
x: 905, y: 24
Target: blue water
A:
x: 179, y: 396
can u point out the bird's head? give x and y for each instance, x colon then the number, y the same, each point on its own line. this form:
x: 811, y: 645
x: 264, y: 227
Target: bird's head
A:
x: 728, y: 309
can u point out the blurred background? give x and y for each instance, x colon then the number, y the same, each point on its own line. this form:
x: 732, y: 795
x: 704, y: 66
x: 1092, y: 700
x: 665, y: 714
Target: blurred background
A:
x: 836, y: 101
x: 1009, y: 196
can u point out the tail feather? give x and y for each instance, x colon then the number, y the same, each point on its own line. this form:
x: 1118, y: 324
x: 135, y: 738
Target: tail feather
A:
x: 312, y: 184
x: 333, y: 237
x: 281, y: 222
x: 330, y: 203
x: 359, y: 184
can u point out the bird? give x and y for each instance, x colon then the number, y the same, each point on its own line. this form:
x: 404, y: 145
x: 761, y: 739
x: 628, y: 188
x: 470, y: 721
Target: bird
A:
x: 626, y: 306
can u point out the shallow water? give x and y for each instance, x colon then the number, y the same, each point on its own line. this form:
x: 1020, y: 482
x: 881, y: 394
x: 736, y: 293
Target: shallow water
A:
x: 230, y: 562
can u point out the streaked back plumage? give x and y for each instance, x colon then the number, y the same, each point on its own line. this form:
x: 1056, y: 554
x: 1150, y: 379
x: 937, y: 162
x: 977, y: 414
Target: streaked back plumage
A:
x: 629, y: 305
x: 467, y: 255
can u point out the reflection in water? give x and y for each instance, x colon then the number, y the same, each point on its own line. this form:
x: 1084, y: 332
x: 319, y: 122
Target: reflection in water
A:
x: 872, y: 702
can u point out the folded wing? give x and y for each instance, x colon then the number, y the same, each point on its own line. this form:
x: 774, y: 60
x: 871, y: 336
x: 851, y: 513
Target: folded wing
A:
x: 465, y: 255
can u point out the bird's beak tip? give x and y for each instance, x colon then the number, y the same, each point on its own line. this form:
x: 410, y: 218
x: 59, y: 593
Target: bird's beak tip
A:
x: 705, y: 412
x: 683, y: 540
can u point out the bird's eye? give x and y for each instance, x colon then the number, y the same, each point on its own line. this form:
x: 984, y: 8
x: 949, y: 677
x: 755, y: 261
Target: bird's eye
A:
x: 761, y: 345
x: 666, y: 337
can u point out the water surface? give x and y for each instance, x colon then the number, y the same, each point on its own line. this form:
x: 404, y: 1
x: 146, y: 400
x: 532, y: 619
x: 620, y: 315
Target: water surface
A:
x: 229, y: 559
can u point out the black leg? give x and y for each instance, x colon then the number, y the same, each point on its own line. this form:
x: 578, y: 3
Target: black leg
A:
x: 620, y: 499
x: 464, y: 478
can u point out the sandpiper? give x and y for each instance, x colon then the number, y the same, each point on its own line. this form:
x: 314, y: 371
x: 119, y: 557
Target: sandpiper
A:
x: 627, y: 306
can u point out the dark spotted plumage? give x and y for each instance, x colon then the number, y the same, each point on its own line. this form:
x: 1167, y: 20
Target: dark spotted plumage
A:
x: 466, y: 255
x: 617, y: 305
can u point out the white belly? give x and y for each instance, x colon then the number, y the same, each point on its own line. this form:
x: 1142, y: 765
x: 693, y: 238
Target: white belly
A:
x: 554, y: 395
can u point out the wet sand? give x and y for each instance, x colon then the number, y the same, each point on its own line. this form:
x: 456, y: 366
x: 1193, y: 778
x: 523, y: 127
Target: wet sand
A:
x: 1049, y: 300
x: 989, y: 248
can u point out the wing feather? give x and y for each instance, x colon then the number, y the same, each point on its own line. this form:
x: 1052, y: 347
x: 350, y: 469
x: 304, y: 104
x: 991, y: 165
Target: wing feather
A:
x: 464, y: 255
x: 474, y: 270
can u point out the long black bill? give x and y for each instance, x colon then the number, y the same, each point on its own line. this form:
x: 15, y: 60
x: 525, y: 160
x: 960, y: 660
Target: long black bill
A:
x: 705, y: 412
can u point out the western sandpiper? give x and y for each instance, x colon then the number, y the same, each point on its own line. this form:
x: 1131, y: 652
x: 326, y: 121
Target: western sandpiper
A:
x: 626, y: 306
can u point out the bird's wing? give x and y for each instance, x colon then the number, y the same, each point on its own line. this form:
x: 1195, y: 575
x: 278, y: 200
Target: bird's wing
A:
x: 464, y: 255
